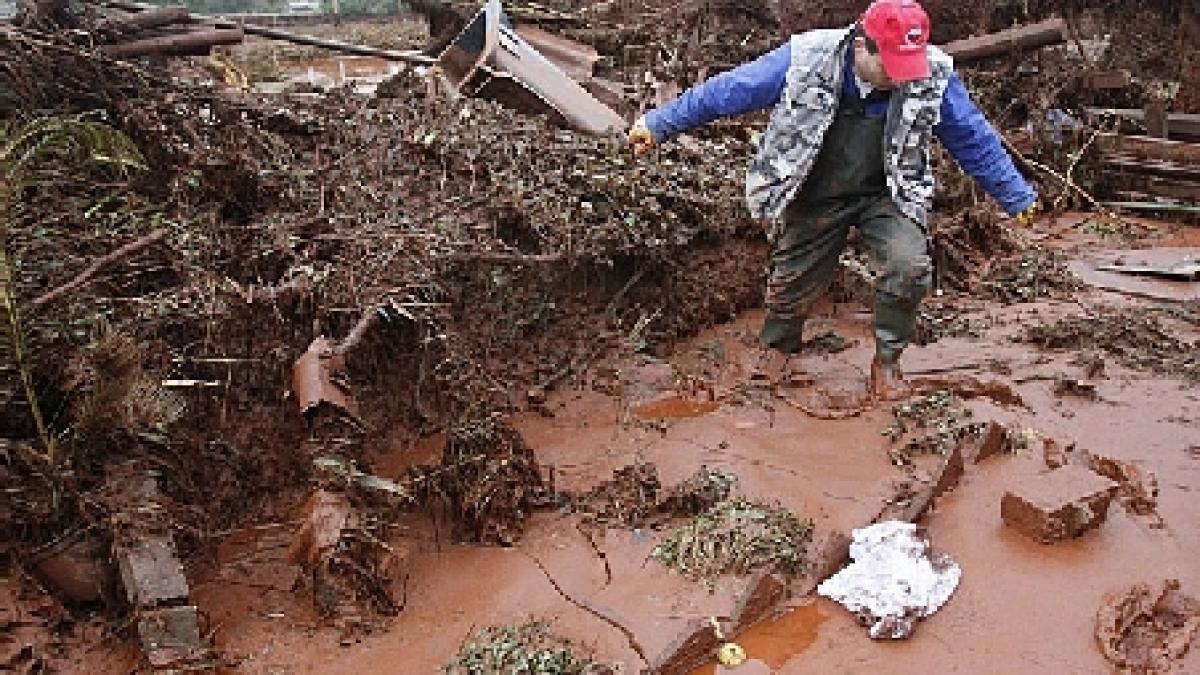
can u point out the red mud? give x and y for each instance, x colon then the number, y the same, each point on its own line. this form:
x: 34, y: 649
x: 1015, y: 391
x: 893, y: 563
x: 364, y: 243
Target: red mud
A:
x: 1021, y: 607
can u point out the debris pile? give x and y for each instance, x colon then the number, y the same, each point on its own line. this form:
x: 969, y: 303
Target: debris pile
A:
x: 1147, y: 628
x: 933, y: 423
x: 1136, y: 338
x: 489, y: 479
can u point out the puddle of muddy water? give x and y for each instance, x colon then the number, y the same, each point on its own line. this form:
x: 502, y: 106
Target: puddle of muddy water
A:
x: 778, y: 641
x: 675, y: 407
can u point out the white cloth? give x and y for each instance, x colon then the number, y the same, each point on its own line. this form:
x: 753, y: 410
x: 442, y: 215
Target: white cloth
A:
x: 892, y: 582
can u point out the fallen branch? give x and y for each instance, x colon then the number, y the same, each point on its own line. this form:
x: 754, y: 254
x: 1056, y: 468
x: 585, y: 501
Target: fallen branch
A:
x: 86, y: 275
x: 1065, y: 180
x: 587, y: 607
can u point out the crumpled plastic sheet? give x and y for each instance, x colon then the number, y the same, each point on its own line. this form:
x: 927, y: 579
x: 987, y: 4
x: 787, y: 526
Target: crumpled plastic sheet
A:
x: 894, y: 580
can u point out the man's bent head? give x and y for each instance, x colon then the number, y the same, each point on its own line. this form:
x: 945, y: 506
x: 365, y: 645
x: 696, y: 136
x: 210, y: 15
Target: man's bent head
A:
x: 892, y: 49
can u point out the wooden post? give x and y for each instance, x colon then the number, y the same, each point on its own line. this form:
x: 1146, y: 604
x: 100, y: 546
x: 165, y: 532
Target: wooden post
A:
x: 1156, y: 116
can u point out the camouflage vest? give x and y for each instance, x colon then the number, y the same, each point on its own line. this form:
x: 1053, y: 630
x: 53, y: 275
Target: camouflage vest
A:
x: 806, y: 110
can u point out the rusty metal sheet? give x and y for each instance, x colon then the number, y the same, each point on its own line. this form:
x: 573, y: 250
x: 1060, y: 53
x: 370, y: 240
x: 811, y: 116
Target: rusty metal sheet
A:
x: 319, y: 378
x: 490, y: 59
x: 574, y: 58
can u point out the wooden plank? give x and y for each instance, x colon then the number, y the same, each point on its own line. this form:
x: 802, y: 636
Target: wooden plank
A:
x: 1152, y: 167
x: 1180, y: 124
x: 1155, y: 186
x: 1105, y: 80
x: 1150, y: 148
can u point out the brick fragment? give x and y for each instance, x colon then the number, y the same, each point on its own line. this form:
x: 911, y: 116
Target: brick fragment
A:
x: 151, y: 572
x: 1058, y: 505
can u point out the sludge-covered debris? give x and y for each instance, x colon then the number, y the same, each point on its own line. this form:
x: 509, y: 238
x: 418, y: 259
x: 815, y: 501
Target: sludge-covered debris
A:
x: 1033, y: 274
x: 699, y: 492
x: 531, y: 647
x: 737, y: 537
x: 933, y: 423
x: 1147, y: 628
x: 1136, y: 338
x: 635, y: 497
x: 350, y: 569
x: 489, y: 480
x: 948, y: 318
x: 628, y: 499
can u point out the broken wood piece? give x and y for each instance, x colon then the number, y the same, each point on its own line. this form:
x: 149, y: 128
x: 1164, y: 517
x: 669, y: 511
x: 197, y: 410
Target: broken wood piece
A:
x: 188, y: 43
x: 1147, y: 147
x: 913, y: 506
x: 1023, y: 38
x: 329, y: 513
x: 1155, y: 115
x: 1154, y: 206
x: 694, y: 647
x: 366, y: 481
x: 1147, y: 628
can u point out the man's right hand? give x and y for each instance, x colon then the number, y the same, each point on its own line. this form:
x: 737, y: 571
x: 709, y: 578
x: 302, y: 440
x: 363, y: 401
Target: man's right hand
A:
x: 640, y: 139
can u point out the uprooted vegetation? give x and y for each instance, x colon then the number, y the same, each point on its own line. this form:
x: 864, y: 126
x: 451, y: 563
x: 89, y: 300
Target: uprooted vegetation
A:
x: 635, y: 498
x: 737, y: 536
x: 528, y: 648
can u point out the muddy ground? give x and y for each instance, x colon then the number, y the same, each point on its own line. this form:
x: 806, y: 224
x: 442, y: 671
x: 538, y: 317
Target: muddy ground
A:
x: 588, y: 337
x: 1023, y: 604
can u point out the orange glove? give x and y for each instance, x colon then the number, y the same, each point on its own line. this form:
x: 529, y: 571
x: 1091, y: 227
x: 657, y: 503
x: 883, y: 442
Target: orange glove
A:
x: 1025, y: 218
x: 640, y: 139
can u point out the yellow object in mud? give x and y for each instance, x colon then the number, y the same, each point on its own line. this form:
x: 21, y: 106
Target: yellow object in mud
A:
x: 731, y: 654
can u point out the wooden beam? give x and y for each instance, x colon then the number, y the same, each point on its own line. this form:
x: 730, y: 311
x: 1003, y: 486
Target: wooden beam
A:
x: 139, y: 21
x: 1152, y: 167
x: 191, y: 42
x: 1033, y: 36
x: 1147, y: 147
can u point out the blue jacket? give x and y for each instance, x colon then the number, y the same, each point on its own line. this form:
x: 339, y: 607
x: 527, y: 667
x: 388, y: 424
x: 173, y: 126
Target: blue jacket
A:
x: 756, y: 85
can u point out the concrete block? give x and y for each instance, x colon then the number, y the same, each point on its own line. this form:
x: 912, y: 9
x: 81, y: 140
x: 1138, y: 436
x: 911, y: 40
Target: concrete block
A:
x: 1058, y: 505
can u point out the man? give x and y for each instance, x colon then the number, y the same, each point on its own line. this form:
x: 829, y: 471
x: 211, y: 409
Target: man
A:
x: 848, y: 144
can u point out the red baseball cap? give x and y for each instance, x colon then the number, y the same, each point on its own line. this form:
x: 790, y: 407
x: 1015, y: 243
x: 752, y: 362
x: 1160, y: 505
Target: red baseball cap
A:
x: 901, y: 29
